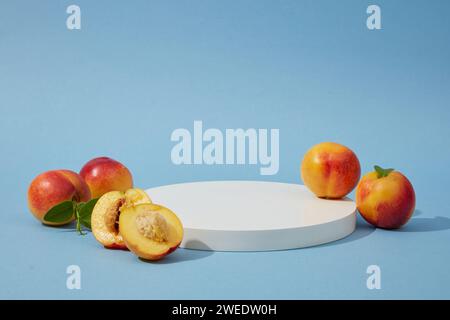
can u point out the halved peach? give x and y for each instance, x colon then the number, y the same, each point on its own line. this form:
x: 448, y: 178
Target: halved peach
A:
x: 105, y: 215
x: 151, y: 231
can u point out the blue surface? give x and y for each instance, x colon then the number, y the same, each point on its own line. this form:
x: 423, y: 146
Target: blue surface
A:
x: 134, y: 73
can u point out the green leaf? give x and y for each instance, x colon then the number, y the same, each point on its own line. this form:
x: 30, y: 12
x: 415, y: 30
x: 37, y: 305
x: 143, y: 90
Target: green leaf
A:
x: 85, y: 211
x: 382, y: 172
x: 62, y: 212
x: 79, y: 229
x: 86, y: 222
x: 80, y: 205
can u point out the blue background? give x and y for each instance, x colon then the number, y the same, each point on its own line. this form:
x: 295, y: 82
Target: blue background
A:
x: 137, y: 71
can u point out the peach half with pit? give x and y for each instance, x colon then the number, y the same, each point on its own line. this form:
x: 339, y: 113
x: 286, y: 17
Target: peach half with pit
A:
x: 105, y: 215
x: 150, y: 231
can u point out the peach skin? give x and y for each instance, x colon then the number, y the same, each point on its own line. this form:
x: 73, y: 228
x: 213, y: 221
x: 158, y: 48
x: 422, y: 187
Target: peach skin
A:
x: 385, y: 198
x: 105, y: 174
x: 330, y: 170
x: 53, y: 187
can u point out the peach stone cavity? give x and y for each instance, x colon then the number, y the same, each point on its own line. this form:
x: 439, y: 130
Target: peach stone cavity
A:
x: 112, y: 216
x: 153, y: 226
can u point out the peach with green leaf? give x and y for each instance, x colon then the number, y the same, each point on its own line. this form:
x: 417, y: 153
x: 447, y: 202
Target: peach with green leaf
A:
x: 385, y: 198
x: 52, y: 188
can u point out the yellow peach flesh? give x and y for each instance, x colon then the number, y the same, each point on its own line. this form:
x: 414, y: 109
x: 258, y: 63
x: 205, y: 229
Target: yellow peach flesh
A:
x: 105, y: 215
x: 150, y: 231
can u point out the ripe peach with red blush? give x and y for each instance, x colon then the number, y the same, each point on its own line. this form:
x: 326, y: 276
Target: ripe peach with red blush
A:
x: 104, y: 175
x: 53, y: 187
x: 330, y: 170
x: 385, y: 198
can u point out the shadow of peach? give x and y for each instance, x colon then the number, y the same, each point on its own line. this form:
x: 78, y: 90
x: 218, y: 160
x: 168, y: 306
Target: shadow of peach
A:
x: 183, y: 255
x: 426, y: 224
x: 364, y: 229
x: 417, y: 213
x: 69, y: 227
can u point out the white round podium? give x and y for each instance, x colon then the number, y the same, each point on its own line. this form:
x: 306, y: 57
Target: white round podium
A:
x: 254, y: 215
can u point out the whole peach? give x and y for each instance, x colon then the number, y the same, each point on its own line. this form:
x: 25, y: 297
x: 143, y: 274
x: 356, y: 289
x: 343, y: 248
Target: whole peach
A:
x: 385, y: 198
x: 330, y: 170
x: 53, y: 187
x: 105, y: 174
